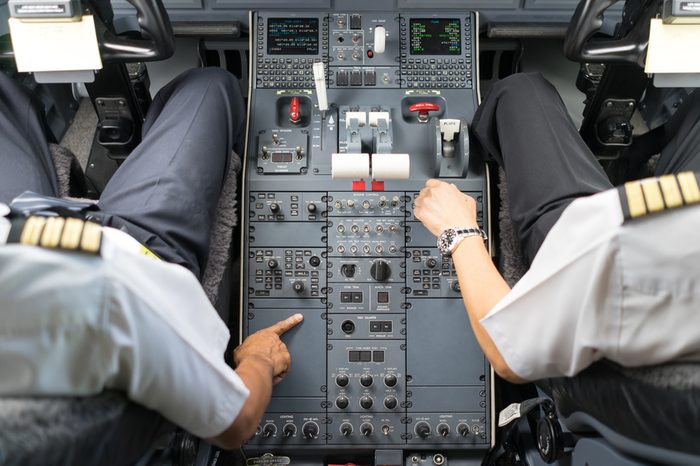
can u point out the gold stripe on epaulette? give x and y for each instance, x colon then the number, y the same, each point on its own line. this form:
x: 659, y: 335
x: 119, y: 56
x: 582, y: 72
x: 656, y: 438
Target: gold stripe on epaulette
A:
x: 652, y: 195
x: 72, y: 233
x: 671, y: 192
x: 689, y: 187
x: 147, y: 252
x: 635, y: 199
x: 92, y: 237
x: 32, y: 231
x: 52, y: 232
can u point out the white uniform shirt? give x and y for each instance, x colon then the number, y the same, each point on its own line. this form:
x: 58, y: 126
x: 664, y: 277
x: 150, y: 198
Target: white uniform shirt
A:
x: 74, y: 324
x: 599, y: 288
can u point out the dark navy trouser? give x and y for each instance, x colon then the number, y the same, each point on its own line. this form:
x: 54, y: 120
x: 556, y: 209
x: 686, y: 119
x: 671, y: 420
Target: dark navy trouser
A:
x: 166, y: 192
x: 524, y: 126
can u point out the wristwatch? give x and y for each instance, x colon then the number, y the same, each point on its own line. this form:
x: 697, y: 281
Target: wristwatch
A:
x: 449, y: 239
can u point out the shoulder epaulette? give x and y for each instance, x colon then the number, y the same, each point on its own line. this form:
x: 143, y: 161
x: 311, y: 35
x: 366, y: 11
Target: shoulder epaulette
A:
x: 64, y: 233
x: 651, y: 195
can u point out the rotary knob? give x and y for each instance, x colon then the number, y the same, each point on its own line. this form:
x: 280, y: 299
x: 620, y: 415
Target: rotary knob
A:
x: 423, y: 430
x: 455, y: 286
x: 390, y: 380
x: 443, y: 430
x: 289, y: 430
x: 342, y: 380
x: 390, y: 402
x: 311, y: 208
x: 366, y: 429
x: 269, y: 430
x: 431, y: 263
x: 341, y: 402
x: 463, y: 430
x: 348, y: 270
x: 314, y: 261
x: 272, y: 263
x: 310, y: 429
x: 346, y: 429
x: 380, y: 271
x: 366, y: 380
x: 274, y: 207
x: 366, y: 402
x: 298, y: 287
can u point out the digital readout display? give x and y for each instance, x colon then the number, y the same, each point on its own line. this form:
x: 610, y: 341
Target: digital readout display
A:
x: 432, y: 36
x: 292, y: 36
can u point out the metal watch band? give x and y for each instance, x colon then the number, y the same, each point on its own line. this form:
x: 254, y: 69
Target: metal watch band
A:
x: 466, y: 232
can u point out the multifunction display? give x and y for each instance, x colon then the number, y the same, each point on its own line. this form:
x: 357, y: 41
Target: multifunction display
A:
x: 432, y: 36
x: 292, y: 36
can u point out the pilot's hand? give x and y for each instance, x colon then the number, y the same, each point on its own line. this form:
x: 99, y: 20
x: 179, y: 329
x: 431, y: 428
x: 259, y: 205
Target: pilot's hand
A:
x: 441, y: 206
x: 266, y: 344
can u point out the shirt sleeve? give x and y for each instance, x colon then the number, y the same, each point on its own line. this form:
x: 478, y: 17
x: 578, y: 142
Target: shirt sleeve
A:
x: 168, y: 346
x: 564, y: 314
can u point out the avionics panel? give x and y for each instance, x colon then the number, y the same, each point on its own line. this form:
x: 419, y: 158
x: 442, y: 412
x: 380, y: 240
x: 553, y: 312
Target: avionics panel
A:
x: 435, y: 36
x: 385, y: 358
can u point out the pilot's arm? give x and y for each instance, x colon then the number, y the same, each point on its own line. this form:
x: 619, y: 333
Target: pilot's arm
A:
x: 441, y: 206
x: 565, y: 313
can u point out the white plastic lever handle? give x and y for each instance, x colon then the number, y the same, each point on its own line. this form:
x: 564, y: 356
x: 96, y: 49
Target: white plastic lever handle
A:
x: 379, y: 39
x: 320, y: 82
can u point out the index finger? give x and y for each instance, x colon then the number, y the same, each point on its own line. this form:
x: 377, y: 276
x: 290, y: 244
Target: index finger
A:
x: 287, y: 324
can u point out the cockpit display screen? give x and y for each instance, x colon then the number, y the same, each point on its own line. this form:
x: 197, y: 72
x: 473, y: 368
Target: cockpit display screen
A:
x: 433, y: 36
x: 292, y: 36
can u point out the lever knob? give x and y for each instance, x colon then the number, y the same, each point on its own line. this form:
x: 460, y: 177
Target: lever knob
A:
x: 423, y: 109
x: 294, y: 113
x: 366, y: 429
x: 463, y: 430
x: 379, y: 39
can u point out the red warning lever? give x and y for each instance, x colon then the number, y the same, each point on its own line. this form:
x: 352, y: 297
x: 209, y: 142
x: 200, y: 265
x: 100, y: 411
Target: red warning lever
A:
x: 424, y: 109
x: 294, y: 114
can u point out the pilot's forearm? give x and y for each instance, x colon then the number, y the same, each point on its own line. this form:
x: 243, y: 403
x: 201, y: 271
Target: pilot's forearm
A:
x: 256, y: 373
x: 482, y: 288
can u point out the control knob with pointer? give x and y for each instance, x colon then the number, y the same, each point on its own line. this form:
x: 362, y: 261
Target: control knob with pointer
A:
x: 380, y: 271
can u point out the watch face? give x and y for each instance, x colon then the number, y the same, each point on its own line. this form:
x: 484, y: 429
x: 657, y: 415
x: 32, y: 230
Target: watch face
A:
x: 446, y: 240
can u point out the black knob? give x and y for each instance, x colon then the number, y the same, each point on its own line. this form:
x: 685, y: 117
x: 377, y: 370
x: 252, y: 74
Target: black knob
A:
x: 463, y: 430
x: 314, y: 261
x: 431, y: 263
x: 390, y: 380
x: 380, y: 271
x: 390, y: 402
x: 366, y: 402
x: 310, y: 429
x: 274, y: 207
x: 289, y: 430
x: 455, y: 286
x: 269, y: 430
x: 342, y: 380
x: 346, y: 429
x: 423, y: 429
x: 298, y: 287
x: 366, y: 429
x: 341, y: 402
x: 366, y: 380
x: 348, y: 270
x: 311, y: 207
x: 272, y: 263
x: 443, y: 430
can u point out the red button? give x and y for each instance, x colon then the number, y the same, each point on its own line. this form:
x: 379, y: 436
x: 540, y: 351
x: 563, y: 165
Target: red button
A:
x: 370, y: 54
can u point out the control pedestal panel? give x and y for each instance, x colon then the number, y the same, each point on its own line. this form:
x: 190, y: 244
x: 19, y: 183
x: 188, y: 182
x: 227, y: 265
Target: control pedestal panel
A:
x: 350, y: 114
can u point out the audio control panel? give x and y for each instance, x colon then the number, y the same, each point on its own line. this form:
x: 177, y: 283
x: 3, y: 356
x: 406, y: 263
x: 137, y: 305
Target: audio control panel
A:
x: 350, y: 114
